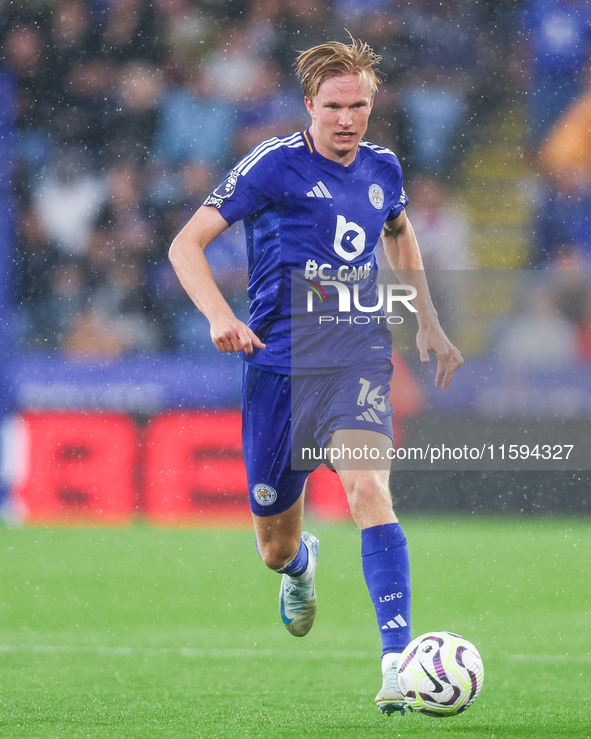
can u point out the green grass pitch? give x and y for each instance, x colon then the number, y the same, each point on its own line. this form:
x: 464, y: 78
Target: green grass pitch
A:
x: 144, y: 632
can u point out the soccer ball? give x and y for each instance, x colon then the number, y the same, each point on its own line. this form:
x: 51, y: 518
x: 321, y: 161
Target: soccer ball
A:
x: 440, y: 674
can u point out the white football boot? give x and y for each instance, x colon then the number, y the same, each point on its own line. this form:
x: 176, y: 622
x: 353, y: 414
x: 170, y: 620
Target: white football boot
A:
x: 297, y: 596
x: 390, y: 699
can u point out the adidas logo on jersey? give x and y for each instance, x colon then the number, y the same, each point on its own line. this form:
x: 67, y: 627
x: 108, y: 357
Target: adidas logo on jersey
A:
x: 319, y: 191
x: 396, y: 623
x: 369, y: 415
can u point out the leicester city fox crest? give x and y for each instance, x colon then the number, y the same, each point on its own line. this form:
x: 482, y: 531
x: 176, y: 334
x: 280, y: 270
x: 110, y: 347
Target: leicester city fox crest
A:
x: 376, y: 196
x: 264, y: 494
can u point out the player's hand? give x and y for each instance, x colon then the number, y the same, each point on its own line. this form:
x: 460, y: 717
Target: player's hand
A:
x: 231, y: 335
x: 449, y: 358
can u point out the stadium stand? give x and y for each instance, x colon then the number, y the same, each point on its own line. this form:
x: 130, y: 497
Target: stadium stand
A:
x: 128, y: 112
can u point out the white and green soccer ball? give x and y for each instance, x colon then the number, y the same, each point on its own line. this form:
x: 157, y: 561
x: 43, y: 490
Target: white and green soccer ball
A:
x: 440, y: 674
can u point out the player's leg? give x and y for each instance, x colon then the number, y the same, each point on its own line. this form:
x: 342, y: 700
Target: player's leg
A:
x: 278, y: 536
x: 384, y: 552
x: 368, y: 489
x: 276, y: 495
x: 293, y: 553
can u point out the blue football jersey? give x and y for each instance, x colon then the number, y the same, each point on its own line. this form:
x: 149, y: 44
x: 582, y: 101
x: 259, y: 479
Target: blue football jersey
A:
x: 311, y: 221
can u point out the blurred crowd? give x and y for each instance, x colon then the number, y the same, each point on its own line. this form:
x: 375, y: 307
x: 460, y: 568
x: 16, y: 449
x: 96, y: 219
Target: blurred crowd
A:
x: 129, y: 112
x: 558, y: 37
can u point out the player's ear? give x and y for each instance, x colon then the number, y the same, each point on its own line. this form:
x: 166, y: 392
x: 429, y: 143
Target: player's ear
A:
x: 310, y: 106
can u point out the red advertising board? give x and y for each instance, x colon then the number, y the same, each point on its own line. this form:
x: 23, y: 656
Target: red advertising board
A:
x: 184, y: 468
x: 193, y: 469
x: 77, y: 466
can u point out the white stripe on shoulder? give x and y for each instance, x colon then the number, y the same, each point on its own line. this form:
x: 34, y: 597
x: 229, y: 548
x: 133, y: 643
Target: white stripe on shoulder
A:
x: 257, y: 150
x: 376, y: 148
x: 246, y: 169
x: 266, y: 146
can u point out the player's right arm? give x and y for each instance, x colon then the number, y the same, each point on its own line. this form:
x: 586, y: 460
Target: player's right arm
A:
x: 187, y: 256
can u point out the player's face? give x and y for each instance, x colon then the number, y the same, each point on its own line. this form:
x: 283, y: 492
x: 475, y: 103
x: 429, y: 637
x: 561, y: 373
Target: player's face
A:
x: 340, y: 113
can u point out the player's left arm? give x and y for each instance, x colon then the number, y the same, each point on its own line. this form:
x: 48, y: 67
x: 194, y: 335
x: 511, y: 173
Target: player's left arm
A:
x: 404, y: 256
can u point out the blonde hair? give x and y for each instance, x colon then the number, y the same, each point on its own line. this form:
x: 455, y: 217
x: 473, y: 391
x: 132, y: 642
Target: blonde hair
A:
x: 334, y: 59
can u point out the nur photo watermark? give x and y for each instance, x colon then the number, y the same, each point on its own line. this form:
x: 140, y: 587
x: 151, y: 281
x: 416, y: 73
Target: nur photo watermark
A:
x: 521, y: 401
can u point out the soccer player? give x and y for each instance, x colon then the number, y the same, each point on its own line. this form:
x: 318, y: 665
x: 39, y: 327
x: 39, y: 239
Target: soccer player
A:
x: 318, y: 197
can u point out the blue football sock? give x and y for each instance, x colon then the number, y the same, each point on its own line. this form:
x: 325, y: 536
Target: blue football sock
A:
x: 384, y: 557
x: 298, y: 564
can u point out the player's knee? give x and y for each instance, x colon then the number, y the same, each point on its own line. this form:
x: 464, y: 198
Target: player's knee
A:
x: 370, y: 501
x: 276, y: 554
x: 368, y: 489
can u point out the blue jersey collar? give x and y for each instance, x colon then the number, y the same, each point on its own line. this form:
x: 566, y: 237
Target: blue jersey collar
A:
x: 329, y: 163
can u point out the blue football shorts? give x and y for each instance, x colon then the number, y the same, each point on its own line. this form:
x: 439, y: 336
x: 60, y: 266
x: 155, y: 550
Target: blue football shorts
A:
x: 283, y: 415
